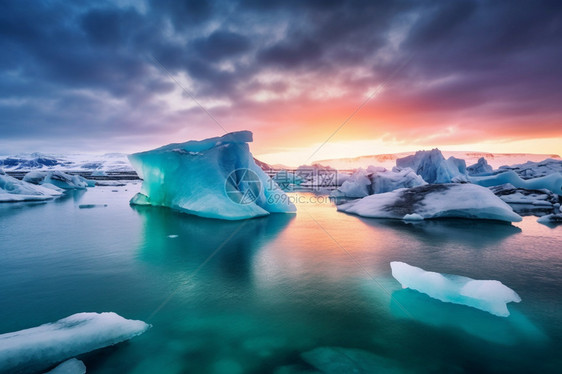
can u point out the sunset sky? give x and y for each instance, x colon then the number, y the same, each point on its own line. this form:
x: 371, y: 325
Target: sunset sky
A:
x: 126, y: 76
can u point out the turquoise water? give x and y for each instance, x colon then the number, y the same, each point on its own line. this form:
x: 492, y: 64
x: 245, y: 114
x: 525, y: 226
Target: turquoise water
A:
x: 252, y: 296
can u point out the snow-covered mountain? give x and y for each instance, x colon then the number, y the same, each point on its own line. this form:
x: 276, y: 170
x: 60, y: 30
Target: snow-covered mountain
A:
x: 389, y: 160
x: 109, y: 162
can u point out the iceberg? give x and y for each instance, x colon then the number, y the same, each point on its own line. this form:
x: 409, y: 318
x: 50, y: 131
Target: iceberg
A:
x: 14, y: 190
x: 525, y: 201
x: 551, y: 182
x: 377, y: 180
x: 43, y: 346
x: 433, y: 167
x: 480, y: 168
x: 532, y: 169
x: 72, y: 366
x: 59, y: 179
x: 434, y: 201
x: 490, y: 296
x: 357, y: 185
x: 213, y: 178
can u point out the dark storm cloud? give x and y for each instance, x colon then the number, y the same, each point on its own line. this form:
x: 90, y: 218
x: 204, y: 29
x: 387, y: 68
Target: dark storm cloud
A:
x: 88, y: 69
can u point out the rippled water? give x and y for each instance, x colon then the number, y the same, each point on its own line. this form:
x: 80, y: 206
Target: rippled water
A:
x: 252, y: 296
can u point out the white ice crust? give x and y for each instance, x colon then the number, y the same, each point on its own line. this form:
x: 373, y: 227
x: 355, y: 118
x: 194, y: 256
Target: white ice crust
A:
x: 488, y: 295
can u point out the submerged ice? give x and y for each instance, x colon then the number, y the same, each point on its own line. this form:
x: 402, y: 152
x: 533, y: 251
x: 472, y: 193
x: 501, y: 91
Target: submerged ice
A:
x: 40, y: 347
x: 214, y: 178
x: 488, y: 295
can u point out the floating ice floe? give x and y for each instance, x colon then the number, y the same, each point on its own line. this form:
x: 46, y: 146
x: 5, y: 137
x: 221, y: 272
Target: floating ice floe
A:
x: 72, y: 366
x: 214, y: 178
x: 412, y: 217
x: 433, y: 167
x: 535, y: 169
x: 434, y: 201
x: 512, y: 195
x: 527, y: 202
x: 480, y: 168
x: 555, y: 218
x: 40, y: 347
x: 491, y: 296
x: 14, y: 190
x: 59, y: 179
x: 551, y: 182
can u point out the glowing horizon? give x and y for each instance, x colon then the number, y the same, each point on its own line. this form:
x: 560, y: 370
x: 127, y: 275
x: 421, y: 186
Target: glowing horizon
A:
x: 129, y: 76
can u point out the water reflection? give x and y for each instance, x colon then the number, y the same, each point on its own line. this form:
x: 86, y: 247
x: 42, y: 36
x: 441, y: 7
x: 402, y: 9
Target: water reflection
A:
x: 181, y: 241
x: 473, y: 233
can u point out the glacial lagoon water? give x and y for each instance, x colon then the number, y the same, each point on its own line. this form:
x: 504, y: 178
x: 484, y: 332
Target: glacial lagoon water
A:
x: 252, y: 296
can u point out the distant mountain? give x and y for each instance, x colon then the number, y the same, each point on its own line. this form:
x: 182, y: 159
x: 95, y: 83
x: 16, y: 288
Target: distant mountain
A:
x: 109, y: 162
x: 389, y: 160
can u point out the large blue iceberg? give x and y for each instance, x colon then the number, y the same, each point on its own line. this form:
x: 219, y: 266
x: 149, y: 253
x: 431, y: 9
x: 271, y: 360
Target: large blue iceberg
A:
x: 488, y: 295
x: 214, y: 178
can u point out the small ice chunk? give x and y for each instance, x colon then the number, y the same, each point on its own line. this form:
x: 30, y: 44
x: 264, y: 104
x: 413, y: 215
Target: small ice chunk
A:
x: 480, y: 168
x: 491, y: 296
x: 72, y: 366
x: 99, y: 173
x: 550, y: 219
x: 39, y: 347
x: 412, y: 217
x: 173, y: 236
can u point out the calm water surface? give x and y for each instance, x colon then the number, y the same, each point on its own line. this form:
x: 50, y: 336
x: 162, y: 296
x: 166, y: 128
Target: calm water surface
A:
x: 251, y: 296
